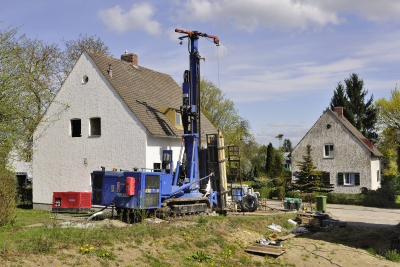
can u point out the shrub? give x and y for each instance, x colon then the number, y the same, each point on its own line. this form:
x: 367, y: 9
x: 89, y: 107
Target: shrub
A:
x: 392, y: 255
x: 281, y: 192
x: 8, y: 192
x: 387, y: 192
x: 293, y: 194
x: 341, y: 198
x: 24, y: 196
x: 264, y: 192
x: 309, y: 197
x: 259, y: 184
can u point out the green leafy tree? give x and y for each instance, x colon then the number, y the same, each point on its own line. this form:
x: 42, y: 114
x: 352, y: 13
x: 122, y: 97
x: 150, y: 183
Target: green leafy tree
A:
x: 8, y: 191
x: 356, y: 108
x: 258, y: 161
x: 277, y: 165
x: 309, y: 178
x: 38, y: 68
x: 223, y: 115
x: 270, y: 160
x: 287, y: 145
x: 10, y: 81
x: 389, y: 124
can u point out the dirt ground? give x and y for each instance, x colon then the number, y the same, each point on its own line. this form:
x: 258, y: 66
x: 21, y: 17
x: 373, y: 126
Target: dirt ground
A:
x: 336, y: 247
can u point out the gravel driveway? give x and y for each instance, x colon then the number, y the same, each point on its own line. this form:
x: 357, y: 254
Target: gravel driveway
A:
x: 357, y: 215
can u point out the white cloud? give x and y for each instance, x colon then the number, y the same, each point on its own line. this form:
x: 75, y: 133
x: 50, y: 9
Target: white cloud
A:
x: 250, y: 15
x: 373, y: 10
x: 139, y: 17
x: 289, y: 15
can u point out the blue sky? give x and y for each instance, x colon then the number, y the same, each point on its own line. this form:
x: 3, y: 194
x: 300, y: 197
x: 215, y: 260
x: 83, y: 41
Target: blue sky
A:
x: 279, y: 60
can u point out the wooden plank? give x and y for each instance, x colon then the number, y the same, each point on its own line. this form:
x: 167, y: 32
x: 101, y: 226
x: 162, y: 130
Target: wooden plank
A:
x: 266, y: 249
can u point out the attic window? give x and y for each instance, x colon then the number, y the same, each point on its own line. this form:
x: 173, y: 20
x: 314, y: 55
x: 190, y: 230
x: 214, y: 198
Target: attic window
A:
x: 95, y: 127
x: 76, y: 128
x: 85, y: 79
x: 328, y: 151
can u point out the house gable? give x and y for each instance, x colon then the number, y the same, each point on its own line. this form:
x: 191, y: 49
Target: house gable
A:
x: 339, y: 149
x: 64, y: 163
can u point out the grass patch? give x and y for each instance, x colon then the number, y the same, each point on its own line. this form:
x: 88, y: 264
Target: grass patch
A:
x: 392, y: 255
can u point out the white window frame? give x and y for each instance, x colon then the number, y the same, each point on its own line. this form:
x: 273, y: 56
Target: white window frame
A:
x: 91, y: 120
x: 330, y: 148
x: 348, y: 178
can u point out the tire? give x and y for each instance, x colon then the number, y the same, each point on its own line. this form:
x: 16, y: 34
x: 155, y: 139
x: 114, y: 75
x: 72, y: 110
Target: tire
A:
x: 249, y: 203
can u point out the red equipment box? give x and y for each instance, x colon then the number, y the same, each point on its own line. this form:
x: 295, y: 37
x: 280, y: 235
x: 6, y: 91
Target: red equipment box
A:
x: 72, y: 202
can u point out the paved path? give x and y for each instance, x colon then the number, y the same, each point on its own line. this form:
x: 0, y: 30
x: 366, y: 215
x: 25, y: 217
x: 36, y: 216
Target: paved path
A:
x: 357, y: 215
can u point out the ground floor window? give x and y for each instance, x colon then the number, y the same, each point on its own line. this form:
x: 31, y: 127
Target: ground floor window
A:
x: 157, y: 167
x: 348, y: 178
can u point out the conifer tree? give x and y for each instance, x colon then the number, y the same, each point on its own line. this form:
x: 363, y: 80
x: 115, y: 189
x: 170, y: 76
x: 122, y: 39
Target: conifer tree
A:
x: 356, y: 109
x: 309, y: 178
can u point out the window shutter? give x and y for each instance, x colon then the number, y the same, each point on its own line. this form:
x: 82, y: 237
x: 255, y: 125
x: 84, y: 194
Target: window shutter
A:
x: 340, y: 178
x: 357, y: 179
x: 326, y: 178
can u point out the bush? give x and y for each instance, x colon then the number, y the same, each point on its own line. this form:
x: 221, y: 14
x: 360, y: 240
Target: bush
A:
x: 259, y: 184
x: 293, y: 194
x: 8, y: 192
x: 392, y: 181
x: 309, y: 197
x: 387, y: 192
x: 24, y: 196
x: 265, y: 192
x: 280, y: 192
x: 341, y: 198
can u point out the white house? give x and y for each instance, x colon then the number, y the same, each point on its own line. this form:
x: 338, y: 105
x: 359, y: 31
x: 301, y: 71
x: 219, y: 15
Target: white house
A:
x: 110, y: 113
x: 349, y: 160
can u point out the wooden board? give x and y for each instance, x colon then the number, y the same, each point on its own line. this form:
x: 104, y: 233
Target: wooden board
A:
x: 266, y: 249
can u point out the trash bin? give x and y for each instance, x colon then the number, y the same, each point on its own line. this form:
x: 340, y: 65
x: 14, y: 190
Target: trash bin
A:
x: 321, y: 203
x: 287, y: 203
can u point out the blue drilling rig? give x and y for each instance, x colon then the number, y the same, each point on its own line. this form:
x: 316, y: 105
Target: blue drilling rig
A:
x: 180, y: 191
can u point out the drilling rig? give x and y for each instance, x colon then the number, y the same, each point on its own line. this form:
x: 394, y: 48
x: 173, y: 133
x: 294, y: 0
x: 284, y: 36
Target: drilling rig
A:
x: 198, y: 182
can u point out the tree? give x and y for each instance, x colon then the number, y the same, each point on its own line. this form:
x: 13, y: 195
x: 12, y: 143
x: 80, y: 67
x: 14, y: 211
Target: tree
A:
x: 389, y: 123
x: 74, y: 48
x: 270, y: 160
x: 10, y: 78
x: 258, y: 161
x: 309, y: 178
x: 38, y: 68
x: 287, y: 145
x: 357, y: 110
x: 221, y: 112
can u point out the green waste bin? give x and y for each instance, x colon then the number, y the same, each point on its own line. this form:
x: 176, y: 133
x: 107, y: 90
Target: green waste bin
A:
x: 321, y: 203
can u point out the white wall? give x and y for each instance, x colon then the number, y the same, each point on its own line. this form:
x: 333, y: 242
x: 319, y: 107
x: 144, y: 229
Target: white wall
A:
x: 375, y: 167
x: 63, y: 163
x: 155, y: 147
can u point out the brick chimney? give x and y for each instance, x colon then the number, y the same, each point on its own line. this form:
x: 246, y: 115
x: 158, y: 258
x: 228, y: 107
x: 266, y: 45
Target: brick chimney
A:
x: 130, y: 58
x: 339, y: 111
x: 368, y: 143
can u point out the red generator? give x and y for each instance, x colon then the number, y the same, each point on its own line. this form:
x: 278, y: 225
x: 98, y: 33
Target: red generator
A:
x: 72, y: 202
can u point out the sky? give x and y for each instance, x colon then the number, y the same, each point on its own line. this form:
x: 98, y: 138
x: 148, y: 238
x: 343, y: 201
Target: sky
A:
x: 279, y: 60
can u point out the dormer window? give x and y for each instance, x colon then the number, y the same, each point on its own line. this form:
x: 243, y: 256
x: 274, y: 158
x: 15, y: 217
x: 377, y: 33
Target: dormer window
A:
x: 328, y: 151
x: 178, y: 121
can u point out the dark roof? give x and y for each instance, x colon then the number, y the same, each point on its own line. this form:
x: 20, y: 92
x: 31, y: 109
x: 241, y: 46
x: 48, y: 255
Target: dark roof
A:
x: 357, y: 134
x: 144, y: 91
